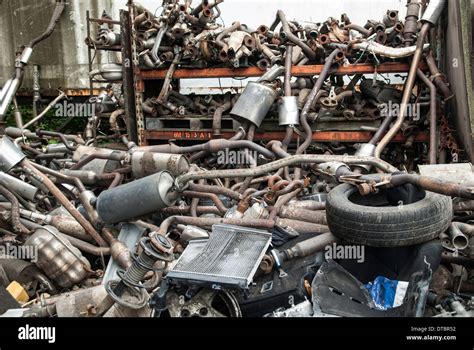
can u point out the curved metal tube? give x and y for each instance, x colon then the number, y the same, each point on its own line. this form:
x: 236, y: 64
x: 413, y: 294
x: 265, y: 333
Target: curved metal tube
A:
x: 293, y: 38
x: 214, y: 198
x: 182, y: 180
x: 156, y: 46
x: 25, y: 56
x: 406, y: 92
x: 207, y: 222
x: 387, y: 51
x: 433, y: 117
x: 186, y: 209
x: 309, y: 103
x: 308, y: 247
x: 216, y: 190
x: 217, y: 118
x: 433, y: 185
x: 58, y: 10
x: 113, y: 119
x: 458, y: 239
x: 381, y: 130
x: 29, y: 167
x: 14, y: 209
x: 212, y: 146
x: 45, y: 111
x: 288, y: 66
x: 360, y: 29
x: 220, y: 39
x: 87, y: 247
x: 438, y: 78
x: 433, y: 11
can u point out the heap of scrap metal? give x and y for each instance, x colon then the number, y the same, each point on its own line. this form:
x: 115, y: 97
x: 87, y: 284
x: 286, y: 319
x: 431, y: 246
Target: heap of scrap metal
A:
x: 182, y: 231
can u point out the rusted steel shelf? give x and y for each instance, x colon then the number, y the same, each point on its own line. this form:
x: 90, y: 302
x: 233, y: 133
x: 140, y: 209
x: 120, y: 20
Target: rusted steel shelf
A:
x: 318, y: 136
x: 310, y: 70
x: 363, y: 68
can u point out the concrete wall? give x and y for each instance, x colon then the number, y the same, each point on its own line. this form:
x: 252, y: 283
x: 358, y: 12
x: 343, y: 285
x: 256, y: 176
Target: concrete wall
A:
x: 63, y: 56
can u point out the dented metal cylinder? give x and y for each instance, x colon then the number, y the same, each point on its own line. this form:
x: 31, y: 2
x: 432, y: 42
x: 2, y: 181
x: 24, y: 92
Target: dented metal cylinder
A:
x: 60, y: 261
x: 191, y: 232
x: 137, y: 198
x: 458, y: 239
x: 288, y: 111
x: 24, y: 189
x: 254, y: 103
x: 56, y: 148
x: 10, y: 155
x: 365, y: 150
x: 148, y: 163
x: 99, y: 166
x: 87, y: 177
x: 87, y: 199
x: 433, y: 11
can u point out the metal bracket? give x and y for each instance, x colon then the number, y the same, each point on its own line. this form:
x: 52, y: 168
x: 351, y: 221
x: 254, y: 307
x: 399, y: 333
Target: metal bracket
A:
x: 365, y: 187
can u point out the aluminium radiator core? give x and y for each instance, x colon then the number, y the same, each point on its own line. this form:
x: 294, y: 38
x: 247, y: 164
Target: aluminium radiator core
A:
x: 228, y: 258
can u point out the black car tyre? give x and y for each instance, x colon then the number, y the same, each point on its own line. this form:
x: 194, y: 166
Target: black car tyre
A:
x: 371, y: 221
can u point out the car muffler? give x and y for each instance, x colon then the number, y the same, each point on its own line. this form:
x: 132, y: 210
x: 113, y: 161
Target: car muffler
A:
x: 148, y: 163
x: 288, y: 111
x: 137, y: 198
x: 10, y: 155
x: 254, y: 103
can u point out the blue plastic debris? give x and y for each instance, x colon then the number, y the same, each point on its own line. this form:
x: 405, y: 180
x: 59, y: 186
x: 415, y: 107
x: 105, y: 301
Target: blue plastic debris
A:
x: 387, y: 293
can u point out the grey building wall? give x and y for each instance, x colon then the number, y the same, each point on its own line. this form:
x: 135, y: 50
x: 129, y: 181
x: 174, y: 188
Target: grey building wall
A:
x: 63, y: 56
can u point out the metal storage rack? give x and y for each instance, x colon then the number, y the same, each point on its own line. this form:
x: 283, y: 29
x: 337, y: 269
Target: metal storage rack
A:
x: 92, y: 50
x: 137, y: 81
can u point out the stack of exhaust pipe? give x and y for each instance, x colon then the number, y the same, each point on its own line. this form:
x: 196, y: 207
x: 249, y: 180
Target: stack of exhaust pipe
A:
x: 80, y: 203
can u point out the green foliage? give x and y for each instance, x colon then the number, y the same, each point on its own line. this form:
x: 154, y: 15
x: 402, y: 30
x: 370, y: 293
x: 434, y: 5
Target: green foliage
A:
x: 49, y: 121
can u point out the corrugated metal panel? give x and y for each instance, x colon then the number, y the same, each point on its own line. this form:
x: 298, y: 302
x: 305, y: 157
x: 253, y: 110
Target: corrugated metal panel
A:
x: 63, y: 56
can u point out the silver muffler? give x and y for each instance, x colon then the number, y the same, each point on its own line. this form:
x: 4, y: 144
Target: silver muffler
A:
x: 137, y: 198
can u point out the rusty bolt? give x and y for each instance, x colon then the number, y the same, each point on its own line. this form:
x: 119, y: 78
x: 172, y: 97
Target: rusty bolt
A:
x: 365, y: 189
x: 266, y: 265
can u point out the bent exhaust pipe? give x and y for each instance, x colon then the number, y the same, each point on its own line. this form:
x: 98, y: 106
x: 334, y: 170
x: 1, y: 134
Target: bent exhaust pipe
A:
x: 430, y: 19
x: 458, y: 239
